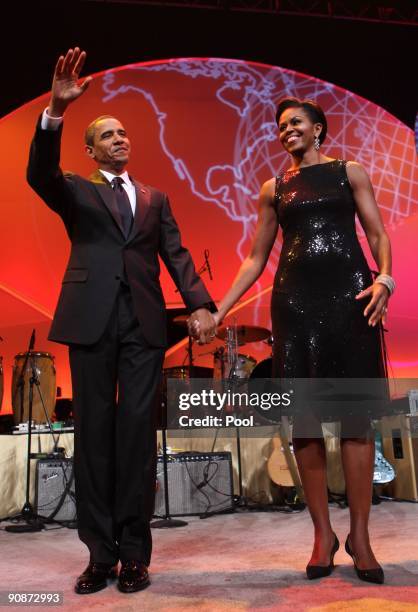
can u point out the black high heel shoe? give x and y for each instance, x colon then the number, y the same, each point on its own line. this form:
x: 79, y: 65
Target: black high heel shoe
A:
x: 375, y: 575
x: 320, y: 571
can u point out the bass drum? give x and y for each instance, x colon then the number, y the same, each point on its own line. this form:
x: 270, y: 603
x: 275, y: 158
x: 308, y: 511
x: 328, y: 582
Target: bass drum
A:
x: 45, y: 369
x: 263, y: 369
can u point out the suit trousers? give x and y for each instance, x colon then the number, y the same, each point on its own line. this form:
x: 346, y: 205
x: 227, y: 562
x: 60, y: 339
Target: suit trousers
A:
x: 115, y: 388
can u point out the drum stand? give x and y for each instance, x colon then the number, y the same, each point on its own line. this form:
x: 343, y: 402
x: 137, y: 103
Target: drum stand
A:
x: 33, y: 522
x: 240, y: 500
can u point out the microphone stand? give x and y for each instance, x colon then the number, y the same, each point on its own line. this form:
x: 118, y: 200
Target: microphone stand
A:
x: 28, y: 514
x: 167, y: 521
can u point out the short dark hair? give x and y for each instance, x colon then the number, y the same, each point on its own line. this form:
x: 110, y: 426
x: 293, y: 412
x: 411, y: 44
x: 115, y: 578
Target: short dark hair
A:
x: 89, y: 133
x: 311, y: 108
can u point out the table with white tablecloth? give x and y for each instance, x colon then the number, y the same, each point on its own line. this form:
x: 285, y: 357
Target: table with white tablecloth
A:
x: 13, y: 453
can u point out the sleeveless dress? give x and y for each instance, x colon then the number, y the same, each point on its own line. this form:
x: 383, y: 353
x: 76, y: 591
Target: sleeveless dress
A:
x: 319, y: 328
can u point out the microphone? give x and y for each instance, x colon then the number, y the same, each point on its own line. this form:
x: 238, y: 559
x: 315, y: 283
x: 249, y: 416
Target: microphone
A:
x: 206, y: 254
x: 32, y: 341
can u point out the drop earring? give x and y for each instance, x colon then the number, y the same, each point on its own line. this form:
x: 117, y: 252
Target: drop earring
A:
x: 317, y: 144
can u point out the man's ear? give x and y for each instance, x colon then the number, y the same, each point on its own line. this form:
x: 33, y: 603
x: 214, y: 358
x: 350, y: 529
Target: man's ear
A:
x: 89, y: 151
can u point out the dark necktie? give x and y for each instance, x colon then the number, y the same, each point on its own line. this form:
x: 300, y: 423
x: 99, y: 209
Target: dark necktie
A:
x: 124, y: 204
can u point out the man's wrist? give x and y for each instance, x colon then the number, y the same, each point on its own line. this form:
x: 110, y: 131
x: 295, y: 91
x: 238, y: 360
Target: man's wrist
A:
x: 49, y: 123
x: 56, y: 110
x: 211, y: 306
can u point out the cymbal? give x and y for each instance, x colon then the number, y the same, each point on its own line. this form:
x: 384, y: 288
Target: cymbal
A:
x: 246, y: 333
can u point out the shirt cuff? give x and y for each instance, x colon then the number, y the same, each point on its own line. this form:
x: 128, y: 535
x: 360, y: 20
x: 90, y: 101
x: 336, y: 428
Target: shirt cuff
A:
x: 50, y: 123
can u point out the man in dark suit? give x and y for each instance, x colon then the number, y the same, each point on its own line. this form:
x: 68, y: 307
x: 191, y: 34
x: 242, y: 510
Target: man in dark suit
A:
x: 111, y: 313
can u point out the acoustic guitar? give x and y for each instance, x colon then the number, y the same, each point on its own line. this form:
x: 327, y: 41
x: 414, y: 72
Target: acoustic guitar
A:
x: 281, y: 465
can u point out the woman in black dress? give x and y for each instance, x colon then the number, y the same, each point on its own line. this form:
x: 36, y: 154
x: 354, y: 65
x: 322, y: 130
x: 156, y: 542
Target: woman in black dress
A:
x: 326, y: 309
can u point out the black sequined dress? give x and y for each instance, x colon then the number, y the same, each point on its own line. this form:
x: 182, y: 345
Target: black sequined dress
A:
x: 319, y: 328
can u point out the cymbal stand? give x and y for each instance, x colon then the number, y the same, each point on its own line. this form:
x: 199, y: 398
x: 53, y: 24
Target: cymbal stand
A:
x: 232, y: 358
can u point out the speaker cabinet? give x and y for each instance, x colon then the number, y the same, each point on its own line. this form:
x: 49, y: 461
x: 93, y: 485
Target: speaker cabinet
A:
x: 198, y: 483
x: 54, y: 489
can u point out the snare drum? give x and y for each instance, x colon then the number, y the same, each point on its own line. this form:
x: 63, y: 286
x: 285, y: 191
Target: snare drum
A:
x: 45, y: 369
x: 181, y: 372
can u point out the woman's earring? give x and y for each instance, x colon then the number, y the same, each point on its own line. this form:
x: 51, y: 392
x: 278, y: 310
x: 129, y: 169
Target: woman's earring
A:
x: 317, y: 144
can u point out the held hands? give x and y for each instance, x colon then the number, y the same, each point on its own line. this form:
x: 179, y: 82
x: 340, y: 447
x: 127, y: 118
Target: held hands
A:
x: 202, y: 325
x: 65, y: 87
x: 377, y: 307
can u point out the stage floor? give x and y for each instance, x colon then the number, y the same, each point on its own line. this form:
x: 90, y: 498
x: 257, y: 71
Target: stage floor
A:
x: 241, y: 561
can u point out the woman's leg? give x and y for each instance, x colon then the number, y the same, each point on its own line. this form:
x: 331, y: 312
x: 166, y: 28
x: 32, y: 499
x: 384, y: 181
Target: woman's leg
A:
x: 357, y: 456
x: 311, y: 459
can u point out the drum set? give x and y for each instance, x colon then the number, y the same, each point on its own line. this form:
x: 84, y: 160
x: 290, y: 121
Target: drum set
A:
x: 228, y: 362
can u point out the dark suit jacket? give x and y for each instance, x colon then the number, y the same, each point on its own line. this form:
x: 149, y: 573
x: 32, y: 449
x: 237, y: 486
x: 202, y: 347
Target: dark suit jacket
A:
x: 101, y: 255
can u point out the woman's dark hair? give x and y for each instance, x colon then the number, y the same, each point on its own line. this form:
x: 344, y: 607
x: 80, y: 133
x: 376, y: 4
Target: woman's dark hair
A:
x: 311, y: 108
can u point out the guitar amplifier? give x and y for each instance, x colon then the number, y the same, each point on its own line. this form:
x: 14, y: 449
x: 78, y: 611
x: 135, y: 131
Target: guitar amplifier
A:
x: 198, y: 483
x: 400, y: 443
x: 54, y: 489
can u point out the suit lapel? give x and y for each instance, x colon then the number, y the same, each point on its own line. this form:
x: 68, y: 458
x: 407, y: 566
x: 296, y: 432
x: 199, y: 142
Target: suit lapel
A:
x: 143, y: 200
x: 106, y: 193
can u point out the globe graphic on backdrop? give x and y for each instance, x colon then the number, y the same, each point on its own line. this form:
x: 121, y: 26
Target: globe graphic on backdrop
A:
x: 358, y: 130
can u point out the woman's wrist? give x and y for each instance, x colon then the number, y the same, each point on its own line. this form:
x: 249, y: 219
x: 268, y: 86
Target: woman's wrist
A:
x: 386, y: 280
x: 219, y: 317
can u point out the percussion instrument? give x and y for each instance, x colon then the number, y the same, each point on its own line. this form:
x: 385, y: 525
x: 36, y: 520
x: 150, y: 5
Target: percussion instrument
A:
x: 181, y: 320
x: 45, y: 369
x: 183, y: 372
x: 245, y: 333
x: 263, y: 369
x: 239, y: 368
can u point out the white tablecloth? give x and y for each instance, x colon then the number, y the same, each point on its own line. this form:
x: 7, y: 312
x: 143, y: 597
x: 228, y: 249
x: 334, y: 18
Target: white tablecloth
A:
x: 13, y: 451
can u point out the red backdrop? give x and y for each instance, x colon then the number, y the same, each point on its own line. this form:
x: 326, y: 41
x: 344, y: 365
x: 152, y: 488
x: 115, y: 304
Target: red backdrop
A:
x: 203, y: 130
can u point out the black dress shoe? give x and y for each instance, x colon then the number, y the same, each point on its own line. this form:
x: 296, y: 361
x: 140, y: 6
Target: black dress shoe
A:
x: 133, y: 576
x: 320, y: 571
x: 375, y: 574
x: 95, y: 578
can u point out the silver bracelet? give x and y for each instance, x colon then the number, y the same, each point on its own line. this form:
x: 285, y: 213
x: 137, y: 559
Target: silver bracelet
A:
x: 387, y: 281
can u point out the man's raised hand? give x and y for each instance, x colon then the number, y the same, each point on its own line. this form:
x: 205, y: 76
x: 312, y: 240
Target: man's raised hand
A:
x: 65, y: 87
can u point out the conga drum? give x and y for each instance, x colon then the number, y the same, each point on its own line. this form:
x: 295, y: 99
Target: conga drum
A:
x: 43, y: 364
